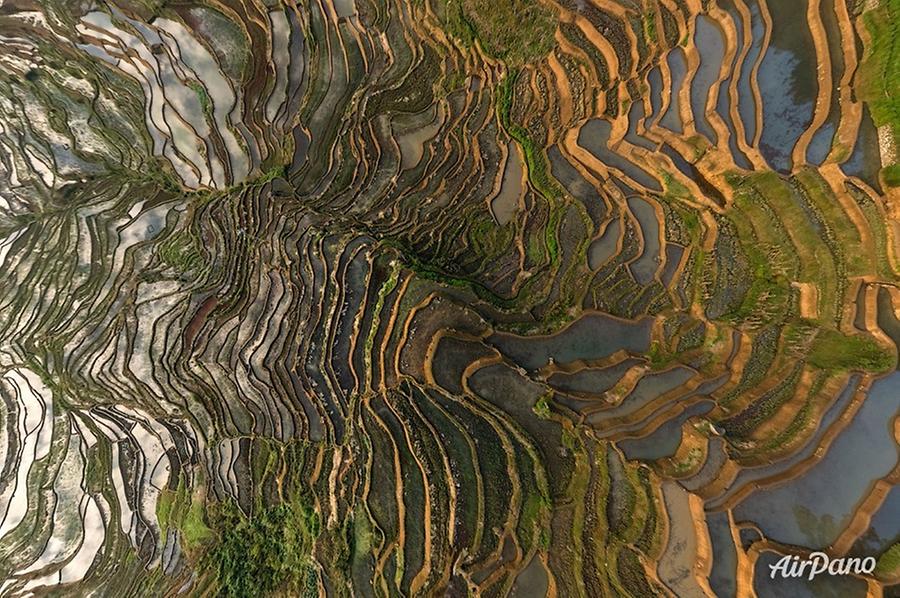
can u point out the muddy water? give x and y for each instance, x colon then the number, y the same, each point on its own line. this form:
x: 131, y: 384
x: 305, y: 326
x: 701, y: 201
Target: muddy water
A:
x: 591, y: 381
x: 532, y: 582
x: 635, y: 115
x: 655, y: 81
x: 650, y: 387
x: 811, y: 510
x: 674, y: 254
x: 692, y: 173
x: 789, y: 64
x: 637, y: 427
x: 884, y: 530
x: 821, y: 142
x: 576, y: 184
x: 506, y: 204
x: 722, y: 107
x: 715, y: 459
x: 683, y: 166
x: 723, y: 102
x: 419, y: 129
x: 281, y: 35
x: 679, y: 558
x: 887, y: 319
x: 344, y: 8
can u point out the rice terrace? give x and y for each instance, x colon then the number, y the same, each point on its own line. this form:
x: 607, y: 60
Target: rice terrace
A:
x: 376, y: 298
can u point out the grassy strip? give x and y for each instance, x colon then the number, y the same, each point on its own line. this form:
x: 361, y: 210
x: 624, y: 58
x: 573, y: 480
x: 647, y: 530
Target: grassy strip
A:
x: 202, y: 97
x: 879, y: 75
x: 876, y: 222
x: 888, y: 562
x: 515, y: 31
x: 892, y: 175
x: 816, y: 262
x: 834, y: 351
x: 489, y: 241
x: 429, y: 271
x: 536, y: 163
x: 762, y: 409
x: 181, y: 252
x: 846, y: 236
x: 386, y: 289
x: 800, y: 420
x: 768, y: 298
x: 178, y: 509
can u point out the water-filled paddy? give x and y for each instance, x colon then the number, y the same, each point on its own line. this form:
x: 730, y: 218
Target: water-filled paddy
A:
x: 865, y: 160
x: 749, y: 475
x: 812, y: 509
x: 592, y: 336
x: 711, y: 45
x: 788, y: 64
x: 604, y: 248
x: 506, y: 204
x: 646, y: 266
x: 650, y: 387
x: 664, y: 441
x: 723, y: 577
x: 746, y: 100
x: 594, y: 136
x: 677, y: 64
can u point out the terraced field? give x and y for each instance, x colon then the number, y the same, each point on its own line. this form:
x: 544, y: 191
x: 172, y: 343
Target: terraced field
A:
x: 448, y: 297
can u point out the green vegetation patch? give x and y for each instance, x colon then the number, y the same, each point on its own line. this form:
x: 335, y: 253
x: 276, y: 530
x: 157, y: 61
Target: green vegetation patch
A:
x: 515, y: 31
x: 832, y: 350
x: 179, y: 509
x: 266, y: 552
x: 674, y: 188
x: 879, y: 76
x: 889, y: 562
x: 659, y: 356
x: 181, y: 251
x: 892, y: 175
x: 542, y: 407
x: 536, y: 163
x: 202, y: 97
x: 490, y: 240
